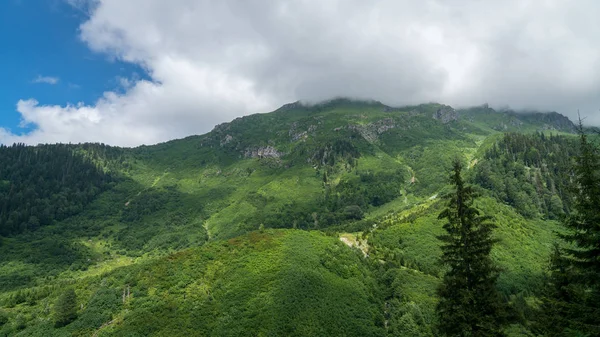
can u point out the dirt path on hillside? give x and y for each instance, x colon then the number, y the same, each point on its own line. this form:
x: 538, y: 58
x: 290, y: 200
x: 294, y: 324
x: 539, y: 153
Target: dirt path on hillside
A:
x: 352, y: 241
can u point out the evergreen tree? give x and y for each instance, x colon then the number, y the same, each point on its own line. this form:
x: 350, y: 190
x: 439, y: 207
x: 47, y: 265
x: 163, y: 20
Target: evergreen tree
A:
x: 571, y: 302
x: 469, y: 302
x: 584, y: 225
x: 65, y: 308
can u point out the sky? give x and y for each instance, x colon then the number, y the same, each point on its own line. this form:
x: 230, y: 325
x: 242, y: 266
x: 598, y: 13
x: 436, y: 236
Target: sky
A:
x: 146, y: 71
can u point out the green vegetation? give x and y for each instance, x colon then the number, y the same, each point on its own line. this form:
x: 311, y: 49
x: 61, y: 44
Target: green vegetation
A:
x: 530, y: 172
x: 39, y: 185
x: 65, y: 308
x: 310, y: 220
x: 276, y: 282
x: 571, y: 302
x: 469, y: 302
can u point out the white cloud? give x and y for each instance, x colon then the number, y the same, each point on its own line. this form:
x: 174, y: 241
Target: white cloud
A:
x: 46, y: 79
x: 211, y: 61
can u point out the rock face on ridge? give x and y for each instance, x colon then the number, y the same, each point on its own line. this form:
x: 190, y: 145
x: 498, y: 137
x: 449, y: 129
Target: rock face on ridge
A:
x: 445, y: 114
x: 551, y: 120
x: 262, y: 152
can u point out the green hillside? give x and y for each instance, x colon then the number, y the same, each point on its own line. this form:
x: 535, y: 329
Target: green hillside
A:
x: 312, y: 220
x: 273, y: 282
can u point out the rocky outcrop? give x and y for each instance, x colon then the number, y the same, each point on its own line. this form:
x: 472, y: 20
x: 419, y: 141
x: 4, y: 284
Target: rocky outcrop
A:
x: 550, y: 121
x: 371, y: 131
x: 296, y: 134
x: 445, y: 114
x: 515, y: 122
x: 228, y: 138
x: 290, y: 106
x: 383, y: 125
x: 365, y: 131
x: 262, y: 152
x: 220, y: 128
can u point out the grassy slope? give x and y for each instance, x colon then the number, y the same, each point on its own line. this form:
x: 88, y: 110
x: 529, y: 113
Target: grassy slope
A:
x: 522, y: 251
x: 284, y: 282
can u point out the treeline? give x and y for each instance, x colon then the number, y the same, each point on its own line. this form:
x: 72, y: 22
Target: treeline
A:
x: 530, y: 172
x: 110, y: 158
x: 41, y: 184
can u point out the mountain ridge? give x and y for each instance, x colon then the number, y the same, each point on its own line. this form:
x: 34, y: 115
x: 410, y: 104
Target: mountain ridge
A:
x: 550, y: 120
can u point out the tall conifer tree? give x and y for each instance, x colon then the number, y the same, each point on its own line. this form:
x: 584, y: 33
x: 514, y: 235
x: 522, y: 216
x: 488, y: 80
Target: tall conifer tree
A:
x: 571, y: 302
x: 65, y: 308
x: 469, y: 302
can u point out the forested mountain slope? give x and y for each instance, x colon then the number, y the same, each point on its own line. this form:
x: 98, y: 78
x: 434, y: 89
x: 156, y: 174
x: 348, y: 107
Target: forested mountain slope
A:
x: 236, y: 232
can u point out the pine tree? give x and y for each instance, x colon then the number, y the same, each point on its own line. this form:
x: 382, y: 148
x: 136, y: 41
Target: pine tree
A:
x: 571, y: 301
x: 469, y: 302
x: 65, y: 308
x: 584, y: 225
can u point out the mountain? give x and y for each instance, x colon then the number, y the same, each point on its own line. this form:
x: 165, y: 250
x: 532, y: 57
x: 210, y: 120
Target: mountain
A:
x: 309, y: 220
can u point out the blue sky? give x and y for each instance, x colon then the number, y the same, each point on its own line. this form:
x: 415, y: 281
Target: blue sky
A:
x: 39, y: 38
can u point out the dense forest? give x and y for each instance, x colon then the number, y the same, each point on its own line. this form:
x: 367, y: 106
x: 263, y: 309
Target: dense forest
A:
x: 532, y: 173
x: 345, y: 218
x: 39, y: 185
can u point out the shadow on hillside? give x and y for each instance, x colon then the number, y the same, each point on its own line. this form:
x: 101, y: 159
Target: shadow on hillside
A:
x: 129, y: 219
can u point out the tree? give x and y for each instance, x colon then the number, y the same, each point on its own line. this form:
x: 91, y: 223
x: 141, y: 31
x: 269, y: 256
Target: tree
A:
x: 584, y: 224
x: 65, y: 308
x: 469, y: 302
x: 571, y: 301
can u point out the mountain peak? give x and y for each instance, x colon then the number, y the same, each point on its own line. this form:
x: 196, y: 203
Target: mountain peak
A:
x: 331, y: 103
x: 550, y: 120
